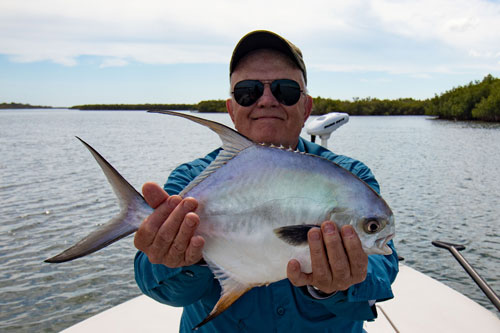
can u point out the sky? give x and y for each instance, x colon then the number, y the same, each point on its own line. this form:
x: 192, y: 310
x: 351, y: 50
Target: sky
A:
x: 71, y: 52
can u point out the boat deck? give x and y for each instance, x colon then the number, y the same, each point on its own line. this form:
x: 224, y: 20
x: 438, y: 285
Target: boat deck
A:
x: 422, y: 304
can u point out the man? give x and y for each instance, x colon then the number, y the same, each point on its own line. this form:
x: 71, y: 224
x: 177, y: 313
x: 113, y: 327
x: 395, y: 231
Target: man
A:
x: 268, y: 104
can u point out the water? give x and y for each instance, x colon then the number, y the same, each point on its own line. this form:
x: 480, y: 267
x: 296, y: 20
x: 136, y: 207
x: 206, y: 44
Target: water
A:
x: 441, y: 179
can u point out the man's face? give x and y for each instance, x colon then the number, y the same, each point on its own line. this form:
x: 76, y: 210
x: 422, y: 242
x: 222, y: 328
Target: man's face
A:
x: 268, y: 121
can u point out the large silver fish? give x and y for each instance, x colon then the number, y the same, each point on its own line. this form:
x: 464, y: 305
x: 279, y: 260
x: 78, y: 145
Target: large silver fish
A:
x: 256, y: 205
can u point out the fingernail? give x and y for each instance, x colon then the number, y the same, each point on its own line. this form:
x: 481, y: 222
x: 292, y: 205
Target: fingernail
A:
x: 347, y: 231
x: 173, y: 202
x: 189, y: 205
x: 329, y: 228
x: 315, y: 234
x: 190, y: 222
x: 197, y: 241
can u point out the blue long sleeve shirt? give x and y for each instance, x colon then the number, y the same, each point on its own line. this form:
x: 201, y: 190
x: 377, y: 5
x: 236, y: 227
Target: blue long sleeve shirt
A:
x: 279, y: 307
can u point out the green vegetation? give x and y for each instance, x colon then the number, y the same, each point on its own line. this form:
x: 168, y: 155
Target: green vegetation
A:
x: 218, y: 105
x: 369, y: 106
x: 141, y: 107
x: 203, y: 106
x: 479, y: 100
x: 21, y: 106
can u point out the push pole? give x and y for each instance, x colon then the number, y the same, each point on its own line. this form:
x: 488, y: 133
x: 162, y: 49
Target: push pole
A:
x: 454, y: 248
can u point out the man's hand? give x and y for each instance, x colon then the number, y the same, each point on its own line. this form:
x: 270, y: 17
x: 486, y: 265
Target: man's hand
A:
x: 166, y: 236
x: 337, y: 258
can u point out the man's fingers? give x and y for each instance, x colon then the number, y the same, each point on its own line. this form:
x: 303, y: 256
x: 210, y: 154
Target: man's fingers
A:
x: 337, y: 258
x: 358, y: 259
x: 146, y: 233
x: 177, y: 251
x: 154, y: 194
x: 168, y: 231
x: 194, y: 251
x: 159, y: 200
x: 296, y: 276
x: 319, y: 263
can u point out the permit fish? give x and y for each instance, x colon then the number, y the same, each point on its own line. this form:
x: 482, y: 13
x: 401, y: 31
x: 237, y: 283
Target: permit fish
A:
x: 256, y: 204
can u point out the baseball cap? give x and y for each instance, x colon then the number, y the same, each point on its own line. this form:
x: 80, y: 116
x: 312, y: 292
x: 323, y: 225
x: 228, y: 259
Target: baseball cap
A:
x: 263, y: 39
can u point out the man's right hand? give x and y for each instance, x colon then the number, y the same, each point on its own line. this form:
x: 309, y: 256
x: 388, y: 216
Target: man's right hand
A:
x: 167, y: 235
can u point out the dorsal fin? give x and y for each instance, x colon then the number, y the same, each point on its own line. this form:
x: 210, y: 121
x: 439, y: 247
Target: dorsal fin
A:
x: 232, y: 141
x: 232, y: 144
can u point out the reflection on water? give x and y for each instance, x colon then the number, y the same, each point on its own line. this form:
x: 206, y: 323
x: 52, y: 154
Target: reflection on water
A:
x: 440, y: 177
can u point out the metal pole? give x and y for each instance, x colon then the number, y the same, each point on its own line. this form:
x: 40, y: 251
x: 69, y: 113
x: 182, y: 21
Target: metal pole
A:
x: 454, y: 248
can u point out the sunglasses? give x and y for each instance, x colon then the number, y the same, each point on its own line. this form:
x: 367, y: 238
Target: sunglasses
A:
x: 286, y: 91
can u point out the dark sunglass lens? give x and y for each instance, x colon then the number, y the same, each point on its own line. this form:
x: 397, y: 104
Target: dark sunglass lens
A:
x: 287, y: 92
x: 248, y: 92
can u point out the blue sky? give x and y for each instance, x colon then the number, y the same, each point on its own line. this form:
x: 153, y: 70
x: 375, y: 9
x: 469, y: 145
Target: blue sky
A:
x: 69, y: 52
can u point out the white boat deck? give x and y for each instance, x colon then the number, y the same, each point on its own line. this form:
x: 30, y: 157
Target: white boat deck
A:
x: 422, y: 304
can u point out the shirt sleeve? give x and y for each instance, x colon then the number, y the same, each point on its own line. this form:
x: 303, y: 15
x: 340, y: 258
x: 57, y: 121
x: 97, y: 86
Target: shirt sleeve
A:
x: 173, y: 286
x: 359, y: 169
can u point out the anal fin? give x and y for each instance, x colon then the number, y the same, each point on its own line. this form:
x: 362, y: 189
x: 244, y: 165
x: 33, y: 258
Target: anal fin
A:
x: 226, y: 300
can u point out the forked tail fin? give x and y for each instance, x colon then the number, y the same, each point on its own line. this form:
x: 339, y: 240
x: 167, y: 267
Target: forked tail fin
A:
x: 133, y: 209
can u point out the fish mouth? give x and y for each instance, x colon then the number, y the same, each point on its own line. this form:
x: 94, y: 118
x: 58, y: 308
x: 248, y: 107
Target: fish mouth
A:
x: 381, y: 246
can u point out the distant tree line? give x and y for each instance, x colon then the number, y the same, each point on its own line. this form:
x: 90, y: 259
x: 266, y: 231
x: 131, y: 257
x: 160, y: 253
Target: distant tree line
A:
x: 479, y: 100
x: 369, y: 106
x: 218, y: 105
x: 21, y: 106
x: 135, y: 107
x: 203, y: 106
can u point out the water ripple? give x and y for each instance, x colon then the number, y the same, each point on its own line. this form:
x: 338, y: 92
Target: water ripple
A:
x: 440, y: 178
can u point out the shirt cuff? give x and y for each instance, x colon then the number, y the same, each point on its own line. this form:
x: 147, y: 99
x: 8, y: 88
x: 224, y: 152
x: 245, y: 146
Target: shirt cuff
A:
x: 318, y: 294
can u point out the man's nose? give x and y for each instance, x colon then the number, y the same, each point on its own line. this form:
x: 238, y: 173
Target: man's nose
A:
x: 267, y: 99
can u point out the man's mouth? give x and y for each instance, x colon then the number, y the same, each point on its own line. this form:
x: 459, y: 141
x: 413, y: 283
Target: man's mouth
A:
x: 266, y: 117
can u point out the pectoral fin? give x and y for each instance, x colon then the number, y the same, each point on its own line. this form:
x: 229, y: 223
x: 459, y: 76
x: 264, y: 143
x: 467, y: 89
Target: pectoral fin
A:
x: 295, y: 235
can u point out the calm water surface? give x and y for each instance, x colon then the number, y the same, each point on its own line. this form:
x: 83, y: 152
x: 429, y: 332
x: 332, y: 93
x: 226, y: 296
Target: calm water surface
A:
x: 441, y: 178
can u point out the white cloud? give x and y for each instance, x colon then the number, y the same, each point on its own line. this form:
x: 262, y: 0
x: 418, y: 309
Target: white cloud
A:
x: 113, y: 62
x: 460, y: 23
x: 334, y: 35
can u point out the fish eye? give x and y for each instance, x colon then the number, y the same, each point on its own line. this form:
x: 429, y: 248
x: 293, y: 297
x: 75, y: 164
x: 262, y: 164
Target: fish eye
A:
x: 372, y: 226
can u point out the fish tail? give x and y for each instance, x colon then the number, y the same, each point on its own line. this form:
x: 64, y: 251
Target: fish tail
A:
x: 224, y: 302
x: 133, y: 209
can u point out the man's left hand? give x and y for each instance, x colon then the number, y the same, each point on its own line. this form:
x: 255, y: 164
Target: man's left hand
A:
x: 337, y: 259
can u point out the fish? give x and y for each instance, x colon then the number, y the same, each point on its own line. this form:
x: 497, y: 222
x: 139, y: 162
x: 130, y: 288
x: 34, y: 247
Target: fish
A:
x: 256, y: 204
